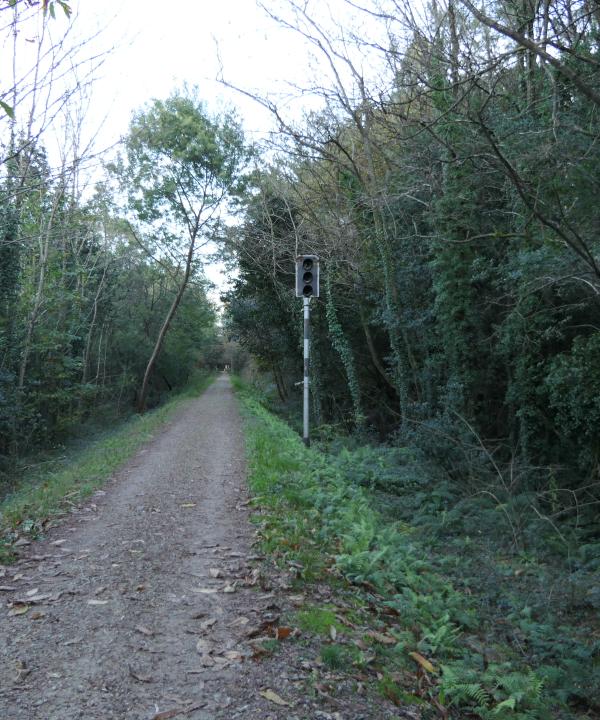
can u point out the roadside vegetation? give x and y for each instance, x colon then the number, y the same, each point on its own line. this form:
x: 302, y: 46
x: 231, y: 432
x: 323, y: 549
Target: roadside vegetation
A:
x: 447, y: 178
x: 451, y: 195
x: 50, y: 485
x: 432, y: 607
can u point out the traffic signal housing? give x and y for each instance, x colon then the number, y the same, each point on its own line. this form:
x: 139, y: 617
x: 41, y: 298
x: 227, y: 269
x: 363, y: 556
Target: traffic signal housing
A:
x: 307, y: 276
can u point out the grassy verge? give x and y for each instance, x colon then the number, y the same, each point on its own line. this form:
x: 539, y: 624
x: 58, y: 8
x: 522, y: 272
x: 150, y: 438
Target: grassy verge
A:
x: 399, y: 622
x: 52, y: 489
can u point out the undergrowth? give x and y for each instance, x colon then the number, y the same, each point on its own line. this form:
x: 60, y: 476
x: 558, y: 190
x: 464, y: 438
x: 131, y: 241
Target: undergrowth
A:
x: 446, y: 640
x: 52, y: 488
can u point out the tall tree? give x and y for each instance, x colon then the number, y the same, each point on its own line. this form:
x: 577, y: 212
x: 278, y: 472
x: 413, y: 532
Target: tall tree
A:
x: 181, y: 171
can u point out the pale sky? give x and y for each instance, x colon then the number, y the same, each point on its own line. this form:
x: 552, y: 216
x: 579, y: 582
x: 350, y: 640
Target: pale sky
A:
x: 157, y: 46
x: 158, y: 49
x: 161, y: 45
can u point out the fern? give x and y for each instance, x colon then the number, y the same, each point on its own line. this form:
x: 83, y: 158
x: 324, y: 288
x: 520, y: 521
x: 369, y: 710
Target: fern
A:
x: 494, y: 694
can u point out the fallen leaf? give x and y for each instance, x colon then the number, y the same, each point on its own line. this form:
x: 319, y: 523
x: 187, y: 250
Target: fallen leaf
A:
x: 274, y: 697
x: 233, y: 655
x: 381, y: 638
x: 332, y: 632
x: 19, y: 609
x: 22, y: 670
x: 214, y: 572
x: 100, y: 590
x: 174, y: 712
x: 281, y: 633
x: 20, y: 542
x: 205, y: 624
x: 31, y: 600
x: 139, y: 676
x: 167, y: 714
x: 205, y: 591
x: 346, y: 622
x: 423, y: 662
x: 29, y: 593
x: 144, y: 630
x: 229, y: 588
x: 37, y: 615
x: 240, y: 621
x: 97, y: 602
x: 253, y: 578
x: 188, y: 505
x: 258, y: 650
x: 265, y: 628
x: 72, y: 642
x: 203, y: 647
x: 58, y: 542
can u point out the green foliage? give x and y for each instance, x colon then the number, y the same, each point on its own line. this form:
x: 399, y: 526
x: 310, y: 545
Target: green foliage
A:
x: 74, y: 476
x: 573, y: 384
x: 336, y: 657
x: 181, y: 162
x: 84, y: 293
x: 313, y: 501
x: 456, y: 218
x: 343, y: 348
x: 318, y: 620
x: 495, y: 693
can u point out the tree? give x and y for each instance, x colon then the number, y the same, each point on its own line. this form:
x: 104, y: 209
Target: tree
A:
x: 181, y: 171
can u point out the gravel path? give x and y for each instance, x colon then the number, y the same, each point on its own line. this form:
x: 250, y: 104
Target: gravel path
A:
x: 140, y: 605
x: 125, y: 587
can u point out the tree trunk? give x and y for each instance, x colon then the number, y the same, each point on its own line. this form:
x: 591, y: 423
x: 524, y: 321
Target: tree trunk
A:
x: 88, y: 342
x: 44, y: 243
x: 372, y: 352
x: 141, y: 404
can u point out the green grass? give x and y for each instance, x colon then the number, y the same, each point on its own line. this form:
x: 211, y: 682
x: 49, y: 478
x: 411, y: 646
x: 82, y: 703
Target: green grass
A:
x: 317, y: 516
x: 337, y: 657
x: 317, y: 620
x: 47, y: 493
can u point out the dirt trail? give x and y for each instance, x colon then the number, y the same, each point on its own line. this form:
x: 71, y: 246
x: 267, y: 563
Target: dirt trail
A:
x: 139, y: 556
x: 126, y: 618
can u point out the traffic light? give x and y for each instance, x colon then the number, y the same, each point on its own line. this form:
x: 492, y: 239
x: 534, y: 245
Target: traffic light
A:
x: 307, y: 276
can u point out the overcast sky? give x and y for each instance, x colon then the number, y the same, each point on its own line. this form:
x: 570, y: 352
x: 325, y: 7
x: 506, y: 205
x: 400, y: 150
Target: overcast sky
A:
x: 160, y: 45
x: 153, y: 47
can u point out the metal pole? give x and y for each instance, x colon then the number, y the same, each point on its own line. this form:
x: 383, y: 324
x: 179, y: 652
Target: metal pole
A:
x: 306, y: 356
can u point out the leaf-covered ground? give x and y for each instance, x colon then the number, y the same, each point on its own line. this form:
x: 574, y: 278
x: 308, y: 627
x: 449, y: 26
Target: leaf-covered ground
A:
x: 153, y: 600
x: 427, y: 604
x: 184, y: 590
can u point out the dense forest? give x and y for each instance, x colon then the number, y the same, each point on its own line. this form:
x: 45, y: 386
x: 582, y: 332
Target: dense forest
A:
x: 447, y: 178
x: 103, y: 302
x: 454, y: 206
x: 453, y: 202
